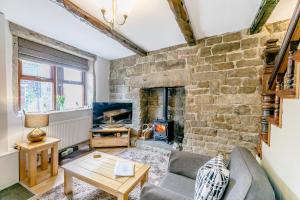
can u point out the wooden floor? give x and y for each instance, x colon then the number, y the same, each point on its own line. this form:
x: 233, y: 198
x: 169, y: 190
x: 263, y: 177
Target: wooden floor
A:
x: 47, y: 183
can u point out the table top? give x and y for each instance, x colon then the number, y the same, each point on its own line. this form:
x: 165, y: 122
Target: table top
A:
x: 101, y: 171
x: 35, y: 145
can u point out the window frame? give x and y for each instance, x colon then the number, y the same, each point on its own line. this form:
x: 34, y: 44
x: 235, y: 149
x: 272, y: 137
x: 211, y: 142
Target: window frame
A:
x: 57, y: 80
x: 61, y: 81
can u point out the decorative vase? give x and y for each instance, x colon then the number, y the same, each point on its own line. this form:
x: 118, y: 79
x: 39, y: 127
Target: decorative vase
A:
x: 36, y: 135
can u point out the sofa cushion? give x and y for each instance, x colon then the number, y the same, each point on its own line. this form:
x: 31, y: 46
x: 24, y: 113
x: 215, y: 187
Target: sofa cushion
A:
x: 211, y: 180
x: 248, y: 181
x: 179, y: 184
x: 186, y: 163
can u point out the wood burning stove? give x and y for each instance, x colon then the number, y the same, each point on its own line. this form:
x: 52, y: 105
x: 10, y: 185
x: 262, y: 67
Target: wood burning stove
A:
x: 163, y: 129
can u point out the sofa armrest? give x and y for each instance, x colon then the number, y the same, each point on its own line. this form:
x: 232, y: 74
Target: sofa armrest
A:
x: 186, y: 163
x: 152, y: 192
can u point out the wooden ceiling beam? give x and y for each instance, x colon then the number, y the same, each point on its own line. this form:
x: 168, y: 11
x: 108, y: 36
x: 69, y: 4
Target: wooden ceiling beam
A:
x: 101, y: 26
x: 263, y: 14
x: 182, y: 18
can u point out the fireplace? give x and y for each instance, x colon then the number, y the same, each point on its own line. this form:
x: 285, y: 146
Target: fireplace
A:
x: 164, y: 109
x: 163, y: 129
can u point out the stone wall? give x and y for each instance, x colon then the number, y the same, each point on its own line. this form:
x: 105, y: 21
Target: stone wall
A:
x: 221, y: 77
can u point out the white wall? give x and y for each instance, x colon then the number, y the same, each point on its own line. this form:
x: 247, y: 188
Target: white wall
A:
x: 282, y: 159
x: 9, y: 163
x: 9, y: 172
x: 102, y: 79
x: 3, y: 92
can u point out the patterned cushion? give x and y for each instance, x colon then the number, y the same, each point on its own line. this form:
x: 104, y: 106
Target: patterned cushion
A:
x: 212, y: 179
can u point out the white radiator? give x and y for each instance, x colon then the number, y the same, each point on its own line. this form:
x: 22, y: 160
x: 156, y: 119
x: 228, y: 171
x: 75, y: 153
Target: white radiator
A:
x: 70, y: 132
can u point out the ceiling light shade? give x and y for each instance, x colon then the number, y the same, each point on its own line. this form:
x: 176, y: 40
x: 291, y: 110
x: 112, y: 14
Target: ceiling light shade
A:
x: 117, y: 12
x: 107, y: 6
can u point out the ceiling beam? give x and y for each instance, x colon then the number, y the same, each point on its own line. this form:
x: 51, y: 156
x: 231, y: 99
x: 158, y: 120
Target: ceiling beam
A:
x: 101, y: 26
x: 182, y: 18
x: 263, y: 14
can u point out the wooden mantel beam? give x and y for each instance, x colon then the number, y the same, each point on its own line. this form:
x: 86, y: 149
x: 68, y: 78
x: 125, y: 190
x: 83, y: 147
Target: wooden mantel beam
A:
x: 182, y: 18
x: 263, y: 14
x: 101, y: 26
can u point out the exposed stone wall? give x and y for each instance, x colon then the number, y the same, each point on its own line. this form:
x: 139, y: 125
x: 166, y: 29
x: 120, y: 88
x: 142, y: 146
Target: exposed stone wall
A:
x: 221, y: 77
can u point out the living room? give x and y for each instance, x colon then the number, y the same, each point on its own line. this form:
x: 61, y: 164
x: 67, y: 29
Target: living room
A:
x: 168, y: 91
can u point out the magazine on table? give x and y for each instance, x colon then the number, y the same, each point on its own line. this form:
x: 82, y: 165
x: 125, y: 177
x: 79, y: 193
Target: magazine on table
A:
x: 124, y: 168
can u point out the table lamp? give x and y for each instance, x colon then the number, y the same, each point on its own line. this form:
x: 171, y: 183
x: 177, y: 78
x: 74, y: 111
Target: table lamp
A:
x: 36, y: 121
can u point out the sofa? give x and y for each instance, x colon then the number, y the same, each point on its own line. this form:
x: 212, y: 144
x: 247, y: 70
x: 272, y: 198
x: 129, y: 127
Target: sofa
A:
x: 248, y: 180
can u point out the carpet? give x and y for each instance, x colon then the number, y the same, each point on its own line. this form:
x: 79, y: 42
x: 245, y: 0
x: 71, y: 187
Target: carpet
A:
x: 81, y: 190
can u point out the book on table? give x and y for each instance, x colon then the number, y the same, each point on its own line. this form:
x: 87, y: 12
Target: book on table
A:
x: 124, y: 168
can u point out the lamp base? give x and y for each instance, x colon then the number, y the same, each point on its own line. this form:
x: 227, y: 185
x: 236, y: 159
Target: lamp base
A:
x: 36, y: 135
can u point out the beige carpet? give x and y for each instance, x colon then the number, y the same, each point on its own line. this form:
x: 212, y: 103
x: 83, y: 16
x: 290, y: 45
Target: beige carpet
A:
x: 81, y: 190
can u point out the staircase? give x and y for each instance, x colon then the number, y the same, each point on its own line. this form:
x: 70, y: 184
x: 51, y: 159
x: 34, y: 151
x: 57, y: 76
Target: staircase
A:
x: 280, y: 79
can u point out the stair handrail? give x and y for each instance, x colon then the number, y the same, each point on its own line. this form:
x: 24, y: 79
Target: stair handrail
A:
x: 293, y: 33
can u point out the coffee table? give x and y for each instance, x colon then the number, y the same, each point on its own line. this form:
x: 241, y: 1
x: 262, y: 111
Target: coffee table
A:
x: 99, y: 172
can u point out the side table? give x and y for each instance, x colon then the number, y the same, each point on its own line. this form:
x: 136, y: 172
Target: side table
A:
x: 32, y: 148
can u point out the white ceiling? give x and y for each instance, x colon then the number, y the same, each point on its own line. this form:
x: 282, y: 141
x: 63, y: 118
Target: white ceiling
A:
x: 45, y: 17
x: 151, y: 24
x: 213, y: 17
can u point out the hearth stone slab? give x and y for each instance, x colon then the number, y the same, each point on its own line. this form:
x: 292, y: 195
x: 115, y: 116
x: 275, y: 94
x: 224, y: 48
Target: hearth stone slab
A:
x: 154, y: 146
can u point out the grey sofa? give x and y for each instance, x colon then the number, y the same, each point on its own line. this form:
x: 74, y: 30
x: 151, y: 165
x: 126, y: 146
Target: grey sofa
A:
x: 248, y: 180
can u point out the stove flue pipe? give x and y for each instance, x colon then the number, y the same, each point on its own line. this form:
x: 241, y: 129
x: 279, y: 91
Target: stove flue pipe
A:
x: 165, y: 104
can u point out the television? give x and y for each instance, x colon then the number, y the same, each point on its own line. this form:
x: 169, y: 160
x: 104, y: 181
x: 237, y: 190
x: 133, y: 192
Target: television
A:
x: 111, y: 113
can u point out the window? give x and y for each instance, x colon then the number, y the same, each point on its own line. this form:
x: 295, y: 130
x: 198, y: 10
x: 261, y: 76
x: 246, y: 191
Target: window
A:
x: 43, y: 87
x: 71, y: 87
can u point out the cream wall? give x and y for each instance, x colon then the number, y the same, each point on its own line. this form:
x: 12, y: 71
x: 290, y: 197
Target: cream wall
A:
x: 282, y: 159
x: 102, y: 79
x: 9, y: 170
x: 3, y: 91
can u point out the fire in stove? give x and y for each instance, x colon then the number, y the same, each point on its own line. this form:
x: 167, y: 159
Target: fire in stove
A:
x: 160, y: 128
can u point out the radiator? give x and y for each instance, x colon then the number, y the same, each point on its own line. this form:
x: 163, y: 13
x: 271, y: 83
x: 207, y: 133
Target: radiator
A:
x: 70, y: 132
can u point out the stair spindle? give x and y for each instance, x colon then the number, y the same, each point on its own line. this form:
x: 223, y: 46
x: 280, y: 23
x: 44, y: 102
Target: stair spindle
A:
x: 290, y: 75
x: 277, y: 103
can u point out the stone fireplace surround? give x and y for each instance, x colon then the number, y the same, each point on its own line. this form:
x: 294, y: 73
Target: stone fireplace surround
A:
x: 221, y: 79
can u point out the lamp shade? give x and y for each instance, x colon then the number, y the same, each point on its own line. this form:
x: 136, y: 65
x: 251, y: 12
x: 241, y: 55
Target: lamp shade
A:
x: 36, y: 120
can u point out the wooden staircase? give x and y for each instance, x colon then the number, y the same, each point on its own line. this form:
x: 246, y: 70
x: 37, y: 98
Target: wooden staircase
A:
x: 280, y: 79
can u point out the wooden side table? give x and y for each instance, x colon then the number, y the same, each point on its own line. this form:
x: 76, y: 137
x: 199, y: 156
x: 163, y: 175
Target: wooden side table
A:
x: 32, y: 148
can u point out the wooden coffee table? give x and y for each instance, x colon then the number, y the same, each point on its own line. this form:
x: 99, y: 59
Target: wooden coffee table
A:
x: 99, y: 172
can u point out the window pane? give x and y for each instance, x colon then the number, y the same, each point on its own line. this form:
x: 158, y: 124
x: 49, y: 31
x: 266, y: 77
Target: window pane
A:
x: 72, y: 75
x: 73, y: 96
x: 36, y: 96
x: 36, y: 69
